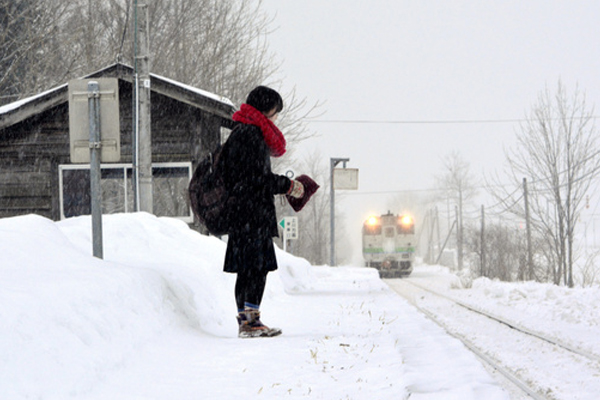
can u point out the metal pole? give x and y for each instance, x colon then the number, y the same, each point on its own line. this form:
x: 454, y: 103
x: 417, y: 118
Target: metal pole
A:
x: 135, y: 149
x: 333, y: 163
x: 135, y: 119
x: 95, y: 172
x: 331, y: 215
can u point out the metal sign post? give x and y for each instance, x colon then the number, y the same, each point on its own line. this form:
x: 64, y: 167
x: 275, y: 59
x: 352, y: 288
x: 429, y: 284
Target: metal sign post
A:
x: 95, y: 173
x: 346, y: 178
x: 94, y: 134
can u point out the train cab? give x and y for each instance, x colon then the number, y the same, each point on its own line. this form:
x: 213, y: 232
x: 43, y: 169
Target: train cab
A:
x: 389, y: 244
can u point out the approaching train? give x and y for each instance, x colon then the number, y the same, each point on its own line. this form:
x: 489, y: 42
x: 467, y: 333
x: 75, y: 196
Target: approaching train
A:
x: 389, y: 244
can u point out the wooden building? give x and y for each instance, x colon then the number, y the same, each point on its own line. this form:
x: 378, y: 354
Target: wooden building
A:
x: 36, y: 173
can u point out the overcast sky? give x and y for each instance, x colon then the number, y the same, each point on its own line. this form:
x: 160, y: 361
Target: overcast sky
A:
x: 415, y: 69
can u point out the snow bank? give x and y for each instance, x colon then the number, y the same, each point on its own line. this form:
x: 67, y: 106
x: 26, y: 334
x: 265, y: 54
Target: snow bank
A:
x: 156, y: 319
x: 548, y: 301
x: 64, y: 311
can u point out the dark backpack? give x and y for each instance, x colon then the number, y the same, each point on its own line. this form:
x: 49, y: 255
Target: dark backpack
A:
x: 209, y: 198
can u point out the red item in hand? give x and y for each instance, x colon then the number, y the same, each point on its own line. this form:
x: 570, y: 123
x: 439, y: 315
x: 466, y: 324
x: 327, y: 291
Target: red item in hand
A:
x: 310, y: 188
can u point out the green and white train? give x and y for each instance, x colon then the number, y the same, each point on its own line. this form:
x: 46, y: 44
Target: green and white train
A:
x: 389, y: 244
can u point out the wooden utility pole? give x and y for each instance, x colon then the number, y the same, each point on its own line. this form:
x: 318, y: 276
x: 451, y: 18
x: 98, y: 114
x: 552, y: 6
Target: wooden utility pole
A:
x: 459, y: 232
x: 143, y: 142
x: 482, y: 240
x: 528, y: 230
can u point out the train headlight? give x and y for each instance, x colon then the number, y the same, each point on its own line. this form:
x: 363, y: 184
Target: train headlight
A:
x: 406, y: 220
x: 372, y: 221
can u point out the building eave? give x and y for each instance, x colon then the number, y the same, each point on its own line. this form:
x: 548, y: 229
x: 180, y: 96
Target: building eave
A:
x: 20, y: 110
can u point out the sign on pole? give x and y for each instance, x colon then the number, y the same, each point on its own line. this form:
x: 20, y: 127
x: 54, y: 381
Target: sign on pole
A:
x: 290, y: 230
x: 95, y: 136
x: 79, y: 126
x: 345, y: 178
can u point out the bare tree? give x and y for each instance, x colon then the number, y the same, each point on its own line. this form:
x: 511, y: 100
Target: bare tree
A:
x: 458, y: 185
x: 558, y: 149
x: 505, y: 248
x: 28, y: 28
x: 313, y: 220
x: 217, y: 45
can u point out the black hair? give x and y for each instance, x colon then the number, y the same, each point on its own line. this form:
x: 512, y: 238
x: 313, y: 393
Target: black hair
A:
x: 265, y: 99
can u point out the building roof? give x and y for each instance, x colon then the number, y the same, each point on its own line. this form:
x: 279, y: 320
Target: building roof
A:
x: 20, y: 110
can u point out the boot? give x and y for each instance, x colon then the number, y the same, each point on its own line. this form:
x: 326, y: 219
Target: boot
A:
x: 250, y: 325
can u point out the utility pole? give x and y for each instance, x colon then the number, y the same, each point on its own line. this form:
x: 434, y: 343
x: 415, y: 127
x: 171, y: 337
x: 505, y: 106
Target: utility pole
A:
x: 458, y: 238
x: 142, y: 159
x: 528, y: 229
x: 460, y: 231
x: 482, y: 240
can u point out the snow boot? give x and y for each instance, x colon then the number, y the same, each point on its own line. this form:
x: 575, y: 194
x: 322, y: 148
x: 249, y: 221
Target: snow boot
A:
x: 250, y: 325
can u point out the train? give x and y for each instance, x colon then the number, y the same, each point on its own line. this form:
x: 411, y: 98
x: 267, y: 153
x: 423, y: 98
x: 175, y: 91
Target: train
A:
x: 389, y: 244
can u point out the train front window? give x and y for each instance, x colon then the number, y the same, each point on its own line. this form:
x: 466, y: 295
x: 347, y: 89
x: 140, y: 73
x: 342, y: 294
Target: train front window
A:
x: 389, y: 231
x: 406, y: 229
x: 372, y: 229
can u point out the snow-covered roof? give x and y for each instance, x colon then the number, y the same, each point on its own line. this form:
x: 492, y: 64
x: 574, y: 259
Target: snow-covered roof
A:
x: 14, y: 106
x: 204, y: 93
x: 19, y: 103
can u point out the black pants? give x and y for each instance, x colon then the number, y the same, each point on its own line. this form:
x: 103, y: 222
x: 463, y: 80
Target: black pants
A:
x: 249, y: 288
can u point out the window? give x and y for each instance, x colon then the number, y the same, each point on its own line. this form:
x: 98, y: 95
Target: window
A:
x: 372, y: 229
x: 170, y: 184
x: 406, y: 229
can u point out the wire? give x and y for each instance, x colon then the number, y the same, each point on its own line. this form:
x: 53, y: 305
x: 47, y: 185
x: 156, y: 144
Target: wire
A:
x: 349, y: 193
x: 478, y: 187
x: 119, y: 54
x: 508, y: 197
x: 417, y: 122
x: 358, y: 121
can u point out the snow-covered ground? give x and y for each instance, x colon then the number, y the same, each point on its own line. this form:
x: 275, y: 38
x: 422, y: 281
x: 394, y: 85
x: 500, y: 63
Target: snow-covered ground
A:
x: 571, y: 315
x: 156, y: 320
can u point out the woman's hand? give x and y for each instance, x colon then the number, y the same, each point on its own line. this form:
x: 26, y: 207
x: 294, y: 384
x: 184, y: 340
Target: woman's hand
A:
x: 296, y: 189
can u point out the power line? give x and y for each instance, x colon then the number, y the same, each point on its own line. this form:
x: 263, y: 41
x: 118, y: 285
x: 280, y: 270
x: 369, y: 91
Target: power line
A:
x: 423, y: 122
x: 408, y: 122
x: 395, y: 191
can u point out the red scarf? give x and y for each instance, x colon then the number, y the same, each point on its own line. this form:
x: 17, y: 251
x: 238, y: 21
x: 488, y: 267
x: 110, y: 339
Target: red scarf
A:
x: 271, y: 134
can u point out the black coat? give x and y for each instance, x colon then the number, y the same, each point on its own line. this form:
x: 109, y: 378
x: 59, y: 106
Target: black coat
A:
x: 246, y: 166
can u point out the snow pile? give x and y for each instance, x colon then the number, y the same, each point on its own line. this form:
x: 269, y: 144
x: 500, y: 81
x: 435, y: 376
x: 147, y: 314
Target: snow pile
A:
x: 550, y: 302
x: 155, y: 319
x: 571, y: 315
x: 62, y: 312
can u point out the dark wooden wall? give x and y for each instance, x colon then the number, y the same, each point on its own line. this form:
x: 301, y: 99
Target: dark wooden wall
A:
x: 32, y: 150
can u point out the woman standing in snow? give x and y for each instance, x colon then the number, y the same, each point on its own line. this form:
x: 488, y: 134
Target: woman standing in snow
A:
x: 248, y: 177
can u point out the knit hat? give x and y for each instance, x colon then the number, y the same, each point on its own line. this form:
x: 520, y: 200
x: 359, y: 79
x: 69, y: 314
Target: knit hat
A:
x: 265, y: 99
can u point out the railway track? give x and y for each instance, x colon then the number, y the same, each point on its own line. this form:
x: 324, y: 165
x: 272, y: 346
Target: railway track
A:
x: 535, y: 364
